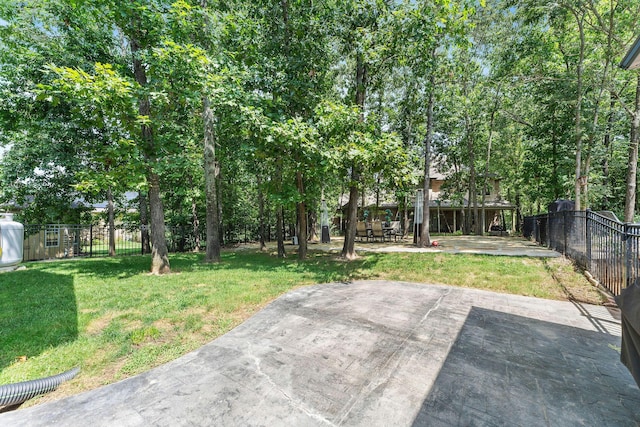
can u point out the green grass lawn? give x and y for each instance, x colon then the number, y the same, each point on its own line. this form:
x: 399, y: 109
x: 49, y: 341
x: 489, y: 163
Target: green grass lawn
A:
x: 114, y: 320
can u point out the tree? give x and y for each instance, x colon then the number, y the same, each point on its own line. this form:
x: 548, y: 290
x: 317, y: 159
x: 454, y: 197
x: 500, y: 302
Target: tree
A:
x: 363, y: 34
x: 632, y: 166
x: 211, y: 168
x: 432, y: 24
x: 354, y: 141
x: 132, y: 26
x: 240, y: 100
x: 101, y: 105
x: 40, y: 168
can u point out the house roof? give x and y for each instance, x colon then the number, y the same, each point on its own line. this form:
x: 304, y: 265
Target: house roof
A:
x: 102, y: 206
x: 631, y: 60
x: 78, y: 203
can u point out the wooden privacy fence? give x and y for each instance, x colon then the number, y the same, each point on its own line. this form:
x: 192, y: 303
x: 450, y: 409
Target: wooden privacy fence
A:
x: 597, y: 242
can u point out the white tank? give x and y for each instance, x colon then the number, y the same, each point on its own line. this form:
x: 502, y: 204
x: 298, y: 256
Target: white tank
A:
x: 11, y: 238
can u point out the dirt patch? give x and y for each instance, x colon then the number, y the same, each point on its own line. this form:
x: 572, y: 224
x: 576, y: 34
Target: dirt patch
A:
x: 163, y: 325
x: 575, y: 287
x: 96, y: 326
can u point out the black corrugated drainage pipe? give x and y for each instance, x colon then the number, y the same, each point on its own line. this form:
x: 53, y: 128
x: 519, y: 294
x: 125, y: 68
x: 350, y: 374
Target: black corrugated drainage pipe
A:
x: 13, y: 394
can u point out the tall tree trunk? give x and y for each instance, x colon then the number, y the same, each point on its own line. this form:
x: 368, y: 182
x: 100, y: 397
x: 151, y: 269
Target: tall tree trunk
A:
x: 280, y: 210
x: 425, y: 238
x: 211, y: 191
x: 466, y: 215
x: 220, y: 212
x: 485, y: 178
x: 280, y: 231
x: 579, y: 183
x: 361, y: 83
x: 195, y: 221
x: 261, y: 226
x: 159, y: 252
x: 112, y: 225
x: 312, y: 235
x: 609, y: 29
x: 518, y: 212
x: 302, y: 218
x: 211, y: 167
x: 554, y: 154
x: 594, y: 131
x: 144, y: 223
x: 632, y: 166
x: 586, y: 167
x: 473, y: 193
x: 405, y: 219
x: 606, y: 142
x: 348, y: 249
x: 301, y: 210
x: 159, y: 258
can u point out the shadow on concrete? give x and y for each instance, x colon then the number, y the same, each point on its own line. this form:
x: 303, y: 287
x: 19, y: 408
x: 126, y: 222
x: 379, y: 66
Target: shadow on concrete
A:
x: 510, y: 370
x: 37, y: 311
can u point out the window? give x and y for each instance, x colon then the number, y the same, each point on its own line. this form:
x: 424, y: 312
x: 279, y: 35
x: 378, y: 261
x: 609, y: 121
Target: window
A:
x: 52, y: 236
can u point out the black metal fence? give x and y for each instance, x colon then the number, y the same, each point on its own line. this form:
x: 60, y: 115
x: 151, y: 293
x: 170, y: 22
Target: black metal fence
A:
x: 599, y: 243
x: 51, y: 241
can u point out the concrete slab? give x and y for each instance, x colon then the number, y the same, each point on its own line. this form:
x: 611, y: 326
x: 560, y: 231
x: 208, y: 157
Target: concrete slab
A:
x: 376, y: 353
x: 479, y: 245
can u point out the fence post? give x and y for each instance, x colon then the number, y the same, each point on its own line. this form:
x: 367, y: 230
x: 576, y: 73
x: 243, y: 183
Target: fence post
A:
x: 627, y: 251
x: 547, y: 236
x: 90, y: 240
x: 564, y: 232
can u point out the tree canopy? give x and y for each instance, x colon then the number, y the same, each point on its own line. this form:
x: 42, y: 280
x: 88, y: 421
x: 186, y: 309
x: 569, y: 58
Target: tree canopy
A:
x: 246, y: 113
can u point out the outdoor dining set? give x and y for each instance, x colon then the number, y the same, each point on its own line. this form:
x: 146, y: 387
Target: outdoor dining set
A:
x: 378, y: 231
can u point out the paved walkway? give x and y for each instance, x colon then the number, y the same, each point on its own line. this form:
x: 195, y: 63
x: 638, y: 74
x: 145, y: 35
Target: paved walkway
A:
x: 376, y: 353
x: 489, y: 245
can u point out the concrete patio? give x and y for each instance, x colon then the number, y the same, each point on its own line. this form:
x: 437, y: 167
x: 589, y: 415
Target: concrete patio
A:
x: 484, y: 245
x: 376, y: 353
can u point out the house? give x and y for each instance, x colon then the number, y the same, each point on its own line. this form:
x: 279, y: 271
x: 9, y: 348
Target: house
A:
x: 447, y: 214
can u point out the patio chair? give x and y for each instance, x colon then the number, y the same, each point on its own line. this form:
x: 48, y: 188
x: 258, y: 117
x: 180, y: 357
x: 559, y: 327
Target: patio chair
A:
x: 361, y: 231
x: 394, y: 231
x: 377, y: 232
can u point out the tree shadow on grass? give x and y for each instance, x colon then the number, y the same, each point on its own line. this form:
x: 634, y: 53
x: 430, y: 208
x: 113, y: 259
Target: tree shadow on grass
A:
x: 37, y: 311
x: 107, y: 267
x: 320, y: 265
x: 323, y: 267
